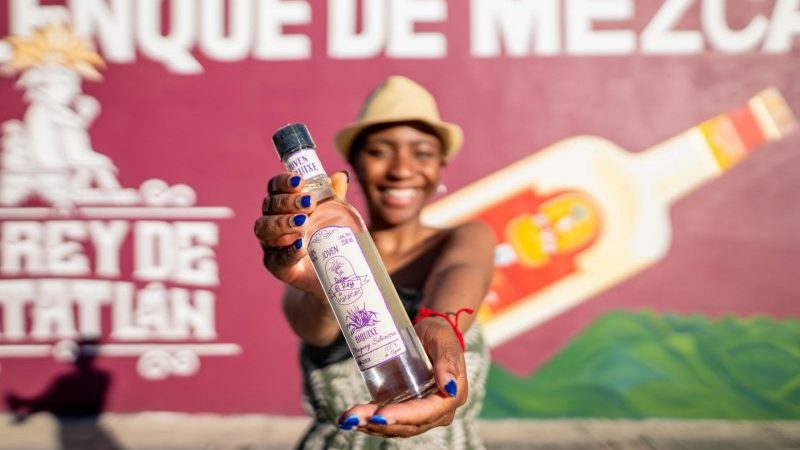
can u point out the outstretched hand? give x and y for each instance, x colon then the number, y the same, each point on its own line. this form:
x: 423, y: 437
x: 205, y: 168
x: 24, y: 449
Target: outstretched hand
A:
x: 419, y: 415
x: 281, y: 227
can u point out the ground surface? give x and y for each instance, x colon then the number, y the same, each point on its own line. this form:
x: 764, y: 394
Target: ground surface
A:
x: 168, y: 431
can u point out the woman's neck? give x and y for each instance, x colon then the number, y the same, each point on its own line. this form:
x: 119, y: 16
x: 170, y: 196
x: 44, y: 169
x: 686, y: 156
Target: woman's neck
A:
x: 397, y: 240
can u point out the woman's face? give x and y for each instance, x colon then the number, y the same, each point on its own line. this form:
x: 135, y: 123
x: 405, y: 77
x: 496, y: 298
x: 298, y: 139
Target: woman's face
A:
x: 398, y: 167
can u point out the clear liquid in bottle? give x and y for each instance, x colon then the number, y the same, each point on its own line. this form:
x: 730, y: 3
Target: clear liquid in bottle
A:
x: 375, y: 325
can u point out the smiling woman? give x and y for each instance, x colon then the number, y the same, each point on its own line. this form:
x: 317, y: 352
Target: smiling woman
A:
x: 398, y: 149
x: 399, y: 166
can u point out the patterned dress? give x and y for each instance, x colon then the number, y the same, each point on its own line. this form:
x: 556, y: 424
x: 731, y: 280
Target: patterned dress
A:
x: 332, y: 384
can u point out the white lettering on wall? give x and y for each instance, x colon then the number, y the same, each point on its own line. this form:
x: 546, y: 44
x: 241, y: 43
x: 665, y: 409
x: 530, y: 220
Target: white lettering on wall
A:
x: 725, y: 40
x: 14, y: 294
x: 272, y: 43
x: 404, y: 42
x: 89, y: 296
x: 195, y: 261
x: 523, y: 27
x: 785, y: 27
x: 344, y: 41
x: 386, y: 25
x: 111, y: 23
x: 72, y: 308
x: 239, y: 40
x: 182, y: 252
x: 660, y: 37
x: 173, y: 48
x: 233, y: 30
x: 65, y: 255
x: 582, y: 39
x: 52, y: 312
x: 107, y: 239
x: 176, y: 251
x: 154, y: 252
x: 21, y: 248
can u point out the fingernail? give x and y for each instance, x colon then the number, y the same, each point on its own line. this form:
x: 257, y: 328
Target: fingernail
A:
x: 299, y: 220
x: 350, y: 422
x: 305, y: 201
x: 295, y: 181
x: 345, y: 427
x: 451, y: 388
x: 347, y: 174
x: 378, y: 420
x: 298, y: 244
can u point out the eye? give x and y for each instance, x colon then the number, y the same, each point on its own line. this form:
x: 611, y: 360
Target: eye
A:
x: 378, y: 152
x: 425, y: 152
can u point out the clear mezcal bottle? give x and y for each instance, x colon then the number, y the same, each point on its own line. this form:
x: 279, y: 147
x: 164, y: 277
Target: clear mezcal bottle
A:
x: 372, y: 318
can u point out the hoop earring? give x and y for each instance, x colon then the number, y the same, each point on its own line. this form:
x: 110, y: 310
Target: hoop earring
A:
x: 441, y: 189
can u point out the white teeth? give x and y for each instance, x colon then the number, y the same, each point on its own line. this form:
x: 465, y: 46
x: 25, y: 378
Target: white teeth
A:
x: 405, y: 194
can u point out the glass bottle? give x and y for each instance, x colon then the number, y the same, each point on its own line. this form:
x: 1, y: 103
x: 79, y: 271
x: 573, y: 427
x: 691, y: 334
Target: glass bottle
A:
x: 375, y: 325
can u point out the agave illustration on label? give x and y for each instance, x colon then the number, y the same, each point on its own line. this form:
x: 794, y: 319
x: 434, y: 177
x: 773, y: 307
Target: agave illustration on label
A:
x: 359, y: 318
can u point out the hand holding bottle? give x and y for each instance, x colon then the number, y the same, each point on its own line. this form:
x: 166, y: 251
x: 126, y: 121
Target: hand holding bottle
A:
x: 418, y: 415
x: 280, y: 229
x: 278, y: 232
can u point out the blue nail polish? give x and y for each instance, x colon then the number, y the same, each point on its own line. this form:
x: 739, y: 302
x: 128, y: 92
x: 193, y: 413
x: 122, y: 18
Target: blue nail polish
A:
x: 298, y: 244
x: 378, y: 420
x: 299, y: 220
x: 345, y: 427
x: 451, y: 388
x: 295, y: 181
x: 351, y: 421
x: 305, y: 201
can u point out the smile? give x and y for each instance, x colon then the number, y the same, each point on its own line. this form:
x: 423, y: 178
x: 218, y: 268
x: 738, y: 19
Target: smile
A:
x: 399, y: 197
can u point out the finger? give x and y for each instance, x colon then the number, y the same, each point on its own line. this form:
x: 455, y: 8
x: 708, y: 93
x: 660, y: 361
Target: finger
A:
x: 280, y: 230
x: 277, y: 258
x: 440, y: 341
x: 285, y: 183
x: 288, y: 204
x: 403, y: 430
x: 415, y: 411
x: 340, y: 182
x: 448, y: 365
x: 356, y: 416
x: 284, y: 241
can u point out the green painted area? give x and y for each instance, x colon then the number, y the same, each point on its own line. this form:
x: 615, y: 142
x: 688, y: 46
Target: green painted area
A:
x: 642, y: 364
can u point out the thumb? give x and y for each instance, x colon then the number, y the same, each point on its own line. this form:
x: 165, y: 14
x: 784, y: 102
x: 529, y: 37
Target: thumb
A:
x: 340, y: 180
x: 447, y: 371
x: 443, y: 347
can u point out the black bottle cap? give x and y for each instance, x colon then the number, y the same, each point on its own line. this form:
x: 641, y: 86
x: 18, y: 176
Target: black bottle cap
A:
x: 292, y: 137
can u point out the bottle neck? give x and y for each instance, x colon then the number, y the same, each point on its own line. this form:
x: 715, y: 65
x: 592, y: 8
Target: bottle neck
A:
x: 305, y: 162
x: 676, y: 166
x: 319, y: 186
x: 680, y: 164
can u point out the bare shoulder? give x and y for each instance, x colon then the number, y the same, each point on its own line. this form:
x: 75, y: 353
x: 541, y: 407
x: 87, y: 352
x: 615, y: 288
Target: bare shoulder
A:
x: 474, y: 232
x: 468, y: 244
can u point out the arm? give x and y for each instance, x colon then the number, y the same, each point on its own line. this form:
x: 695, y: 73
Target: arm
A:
x: 463, y: 272
x: 304, y: 303
x: 310, y: 317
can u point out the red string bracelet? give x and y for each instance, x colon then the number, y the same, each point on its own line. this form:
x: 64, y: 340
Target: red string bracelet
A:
x: 425, y: 313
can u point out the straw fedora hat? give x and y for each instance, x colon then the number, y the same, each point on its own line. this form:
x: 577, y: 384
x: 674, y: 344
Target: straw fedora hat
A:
x: 401, y: 99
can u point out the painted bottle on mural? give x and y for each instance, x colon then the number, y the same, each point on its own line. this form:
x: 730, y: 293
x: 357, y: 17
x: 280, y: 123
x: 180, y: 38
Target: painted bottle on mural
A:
x: 378, y: 331
x: 584, y: 214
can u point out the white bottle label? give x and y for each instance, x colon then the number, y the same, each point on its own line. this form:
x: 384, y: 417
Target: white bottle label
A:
x: 305, y: 162
x: 356, y: 299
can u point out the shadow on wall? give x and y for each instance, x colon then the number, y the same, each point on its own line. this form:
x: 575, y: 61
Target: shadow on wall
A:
x: 76, y: 399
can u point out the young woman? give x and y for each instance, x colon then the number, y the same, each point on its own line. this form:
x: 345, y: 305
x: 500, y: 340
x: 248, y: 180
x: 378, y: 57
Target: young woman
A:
x: 397, y: 150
